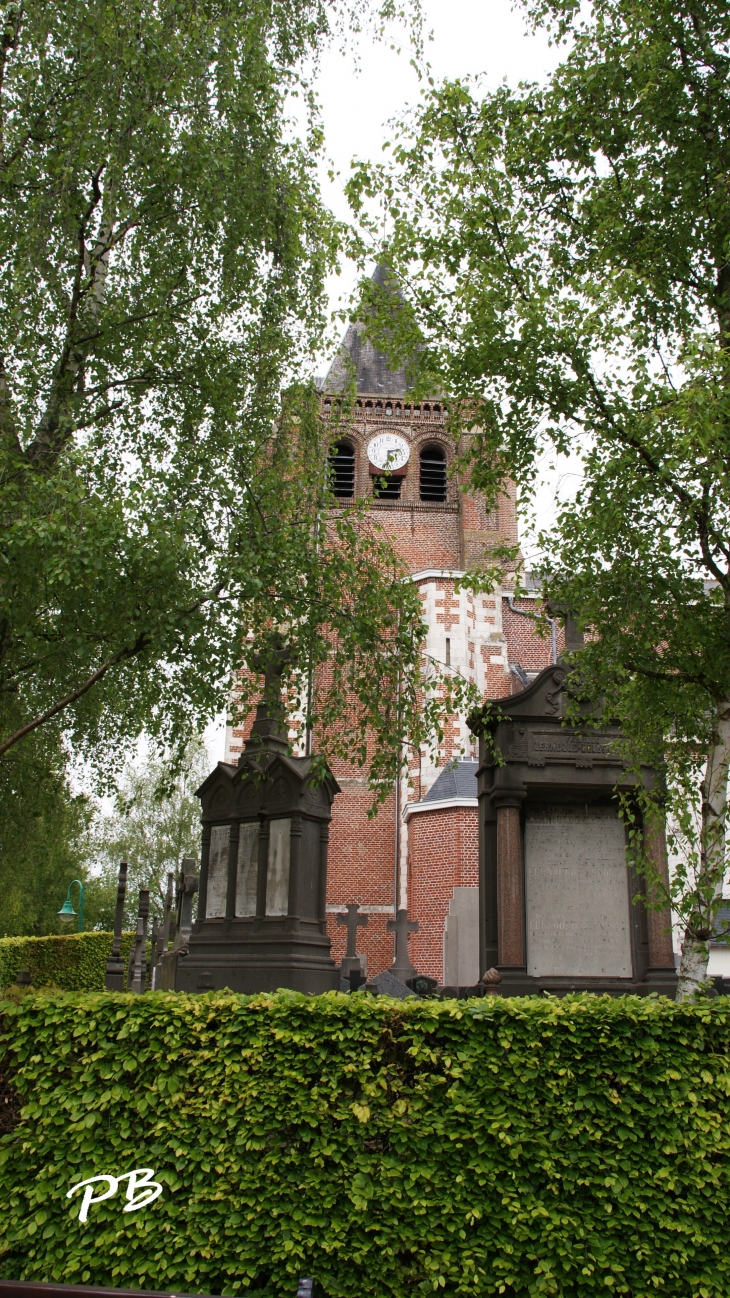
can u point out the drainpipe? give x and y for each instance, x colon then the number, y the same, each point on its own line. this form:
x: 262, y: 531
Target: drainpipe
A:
x: 539, y: 617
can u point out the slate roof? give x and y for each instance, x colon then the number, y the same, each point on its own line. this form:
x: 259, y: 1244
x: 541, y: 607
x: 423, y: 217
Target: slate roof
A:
x: 371, y: 367
x: 720, y: 936
x: 457, y: 780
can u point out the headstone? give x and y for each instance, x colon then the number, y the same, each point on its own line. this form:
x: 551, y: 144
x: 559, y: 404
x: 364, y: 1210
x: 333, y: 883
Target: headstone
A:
x: 23, y: 978
x: 187, y: 887
x: 557, y: 888
x: 114, y: 976
x: 354, y: 920
x: 422, y: 985
x: 154, y: 938
x: 387, y: 984
x: 461, y: 937
x: 576, y: 893
x: 167, y: 914
x: 261, y: 920
x: 401, y: 967
x: 353, y: 980
x: 139, y: 963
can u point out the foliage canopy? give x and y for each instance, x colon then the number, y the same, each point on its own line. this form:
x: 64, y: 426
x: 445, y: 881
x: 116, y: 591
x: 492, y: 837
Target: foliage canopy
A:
x: 163, y: 249
x: 582, y: 230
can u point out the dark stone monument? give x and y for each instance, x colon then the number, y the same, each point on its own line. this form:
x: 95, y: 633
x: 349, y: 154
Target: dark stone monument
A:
x: 351, y: 959
x: 556, y: 891
x: 261, y: 915
x: 138, y: 954
x: 154, y: 940
x: 187, y: 887
x: 352, y: 981
x: 114, y: 976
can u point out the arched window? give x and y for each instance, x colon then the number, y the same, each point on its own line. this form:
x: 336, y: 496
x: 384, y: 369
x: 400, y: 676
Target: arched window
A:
x: 433, y: 473
x: 342, y: 470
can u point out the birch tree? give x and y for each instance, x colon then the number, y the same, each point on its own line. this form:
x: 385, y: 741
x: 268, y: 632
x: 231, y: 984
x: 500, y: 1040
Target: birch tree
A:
x: 163, y: 252
x: 564, y: 254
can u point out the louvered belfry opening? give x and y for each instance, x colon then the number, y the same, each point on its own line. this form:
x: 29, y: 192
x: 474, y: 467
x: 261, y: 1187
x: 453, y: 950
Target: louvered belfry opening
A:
x: 342, y: 470
x: 386, y: 486
x: 433, y: 474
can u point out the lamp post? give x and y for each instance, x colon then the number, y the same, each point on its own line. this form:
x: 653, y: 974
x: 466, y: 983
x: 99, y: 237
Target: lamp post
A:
x: 67, y: 914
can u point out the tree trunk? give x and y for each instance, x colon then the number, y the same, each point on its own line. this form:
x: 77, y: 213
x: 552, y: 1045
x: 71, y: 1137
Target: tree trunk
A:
x: 711, y: 872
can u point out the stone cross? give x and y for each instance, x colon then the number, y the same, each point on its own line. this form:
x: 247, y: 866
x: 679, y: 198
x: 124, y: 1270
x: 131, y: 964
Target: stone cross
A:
x: 165, y: 930
x: 186, y: 890
x: 401, y: 967
x: 154, y: 938
x: 114, y: 976
x: 353, y: 922
x: 139, y: 965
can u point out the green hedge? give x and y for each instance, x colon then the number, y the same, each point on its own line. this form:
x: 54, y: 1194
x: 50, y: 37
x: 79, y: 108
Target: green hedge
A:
x: 73, y: 961
x: 533, y: 1146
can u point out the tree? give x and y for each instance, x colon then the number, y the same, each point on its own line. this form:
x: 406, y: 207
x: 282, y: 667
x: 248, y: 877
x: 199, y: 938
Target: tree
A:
x: 163, y: 250
x: 44, y: 829
x: 582, y: 229
x: 154, y: 824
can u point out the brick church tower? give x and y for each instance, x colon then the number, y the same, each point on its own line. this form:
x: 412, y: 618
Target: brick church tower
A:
x: 421, y: 850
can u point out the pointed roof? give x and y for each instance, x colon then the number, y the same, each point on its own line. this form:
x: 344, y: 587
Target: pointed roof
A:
x: 371, y: 369
x: 457, y: 780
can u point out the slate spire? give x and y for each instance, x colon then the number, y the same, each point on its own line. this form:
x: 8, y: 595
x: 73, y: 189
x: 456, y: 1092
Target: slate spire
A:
x: 372, y: 373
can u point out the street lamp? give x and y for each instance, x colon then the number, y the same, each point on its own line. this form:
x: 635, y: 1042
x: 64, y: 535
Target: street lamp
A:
x: 67, y: 914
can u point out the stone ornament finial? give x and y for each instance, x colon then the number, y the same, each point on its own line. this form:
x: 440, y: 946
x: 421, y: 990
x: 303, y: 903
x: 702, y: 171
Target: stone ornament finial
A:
x: 491, y: 980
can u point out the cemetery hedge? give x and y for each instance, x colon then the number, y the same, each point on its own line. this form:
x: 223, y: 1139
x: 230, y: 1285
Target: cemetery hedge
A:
x: 520, y: 1147
x: 71, y: 961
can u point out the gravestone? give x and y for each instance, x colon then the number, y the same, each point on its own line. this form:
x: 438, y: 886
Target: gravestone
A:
x: 263, y: 876
x: 576, y: 898
x: 556, y: 886
x: 114, y: 975
x: 401, y: 968
x: 351, y: 960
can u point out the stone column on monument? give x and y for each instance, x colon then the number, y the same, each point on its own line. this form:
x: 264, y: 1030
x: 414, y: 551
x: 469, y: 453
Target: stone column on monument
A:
x: 510, y: 883
x: 658, y: 922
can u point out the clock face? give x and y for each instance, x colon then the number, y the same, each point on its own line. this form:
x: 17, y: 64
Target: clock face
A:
x: 388, y: 451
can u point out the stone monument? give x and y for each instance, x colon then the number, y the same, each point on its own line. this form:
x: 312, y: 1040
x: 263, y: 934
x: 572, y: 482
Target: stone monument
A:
x: 261, y: 912
x: 556, y: 889
x: 351, y: 960
x: 114, y: 975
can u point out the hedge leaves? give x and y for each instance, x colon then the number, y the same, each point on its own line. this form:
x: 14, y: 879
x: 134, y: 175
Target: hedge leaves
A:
x: 532, y: 1146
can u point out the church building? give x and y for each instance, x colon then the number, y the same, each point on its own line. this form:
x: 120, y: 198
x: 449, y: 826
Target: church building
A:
x: 421, y: 850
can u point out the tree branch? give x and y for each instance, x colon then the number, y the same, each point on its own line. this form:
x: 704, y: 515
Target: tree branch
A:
x: 143, y: 641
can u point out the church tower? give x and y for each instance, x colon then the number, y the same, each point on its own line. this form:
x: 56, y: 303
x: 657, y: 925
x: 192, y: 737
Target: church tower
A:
x: 421, y: 850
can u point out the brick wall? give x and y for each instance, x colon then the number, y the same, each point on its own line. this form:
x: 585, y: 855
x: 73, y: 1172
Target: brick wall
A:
x: 444, y: 848
x: 479, y: 636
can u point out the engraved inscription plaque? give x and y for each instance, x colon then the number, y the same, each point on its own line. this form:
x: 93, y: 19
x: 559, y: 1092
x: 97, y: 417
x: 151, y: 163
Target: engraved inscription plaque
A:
x: 218, y: 872
x: 248, y: 869
x: 576, y: 893
x: 277, y: 875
